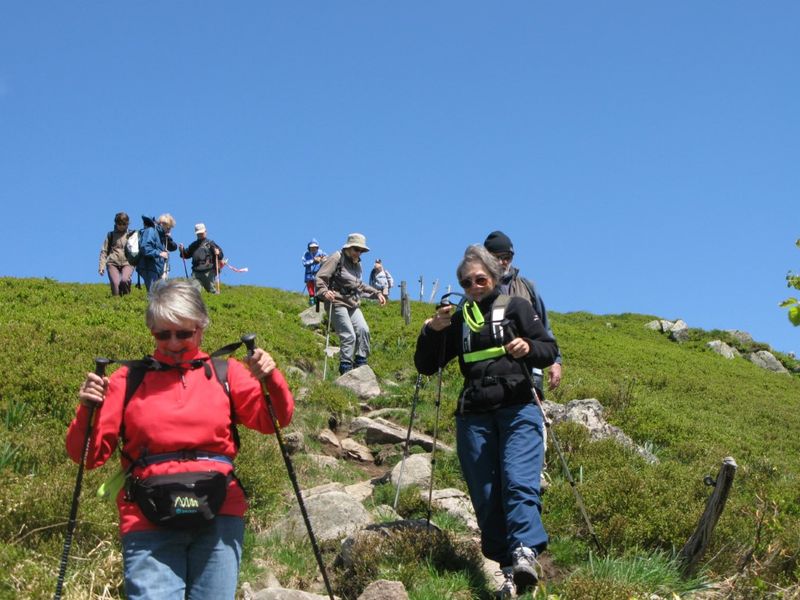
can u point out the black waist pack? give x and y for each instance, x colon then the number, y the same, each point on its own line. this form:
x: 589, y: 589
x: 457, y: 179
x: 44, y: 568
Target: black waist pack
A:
x: 180, y: 500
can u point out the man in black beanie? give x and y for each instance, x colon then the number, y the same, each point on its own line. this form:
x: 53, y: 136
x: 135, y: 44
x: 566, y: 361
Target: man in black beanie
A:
x: 513, y: 284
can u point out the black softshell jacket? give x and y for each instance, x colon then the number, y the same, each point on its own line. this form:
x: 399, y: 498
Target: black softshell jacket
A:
x: 494, y: 382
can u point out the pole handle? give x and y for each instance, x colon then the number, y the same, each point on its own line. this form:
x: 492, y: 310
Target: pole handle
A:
x: 249, y: 340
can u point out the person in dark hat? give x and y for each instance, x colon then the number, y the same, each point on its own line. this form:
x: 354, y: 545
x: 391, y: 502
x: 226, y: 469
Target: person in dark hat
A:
x: 513, y: 284
x: 339, y: 285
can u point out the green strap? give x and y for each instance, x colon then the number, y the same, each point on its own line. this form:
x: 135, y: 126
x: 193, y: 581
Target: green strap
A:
x: 473, y: 316
x: 484, y: 354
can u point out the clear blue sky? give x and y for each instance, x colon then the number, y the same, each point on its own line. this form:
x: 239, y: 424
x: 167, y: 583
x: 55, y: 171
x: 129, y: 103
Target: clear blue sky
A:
x: 643, y: 156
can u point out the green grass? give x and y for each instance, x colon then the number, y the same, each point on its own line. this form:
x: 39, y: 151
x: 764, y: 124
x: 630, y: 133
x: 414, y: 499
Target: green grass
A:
x: 687, y: 403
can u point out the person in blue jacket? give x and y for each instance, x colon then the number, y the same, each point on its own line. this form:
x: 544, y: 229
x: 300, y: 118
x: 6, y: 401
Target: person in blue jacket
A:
x: 312, y: 261
x: 154, y: 248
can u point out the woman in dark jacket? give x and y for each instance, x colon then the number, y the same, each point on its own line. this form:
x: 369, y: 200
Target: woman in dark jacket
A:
x: 499, y: 427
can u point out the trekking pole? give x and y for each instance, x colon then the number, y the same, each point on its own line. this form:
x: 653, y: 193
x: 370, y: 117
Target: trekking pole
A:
x: 327, y: 340
x: 100, y: 365
x: 564, y: 465
x: 185, y: 271
x: 250, y: 341
x: 408, y: 439
x: 216, y: 264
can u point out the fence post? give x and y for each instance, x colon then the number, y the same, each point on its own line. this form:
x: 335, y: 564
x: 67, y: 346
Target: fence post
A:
x: 693, y: 550
x: 405, y: 306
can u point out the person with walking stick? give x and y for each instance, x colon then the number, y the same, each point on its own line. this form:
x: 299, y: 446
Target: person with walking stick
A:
x: 206, y: 257
x: 499, y: 429
x: 312, y: 261
x: 155, y: 246
x: 181, y: 508
x: 339, y: 284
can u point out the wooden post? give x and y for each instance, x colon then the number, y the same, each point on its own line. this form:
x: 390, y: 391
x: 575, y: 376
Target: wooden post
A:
x: 405, y: 307
x: 693, y: 550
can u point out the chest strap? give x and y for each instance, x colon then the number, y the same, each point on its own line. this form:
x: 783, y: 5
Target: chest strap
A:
x: 485, y: 354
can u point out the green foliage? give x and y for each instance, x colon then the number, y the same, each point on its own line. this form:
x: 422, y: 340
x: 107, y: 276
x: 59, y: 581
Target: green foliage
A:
x: 793, y: 304
x: 689, y: 404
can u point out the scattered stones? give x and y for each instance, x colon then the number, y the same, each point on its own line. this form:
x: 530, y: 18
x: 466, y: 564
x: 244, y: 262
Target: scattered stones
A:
x: 323, y: 460
x: 742, y: 337
x: 360, y: 491
x: 284, y: 594
x: 766, y: 360
x: 361, y: 381
x: 293, y: 371
x: 723, y: 349
x: 679, y: 332
x: 330, y: 441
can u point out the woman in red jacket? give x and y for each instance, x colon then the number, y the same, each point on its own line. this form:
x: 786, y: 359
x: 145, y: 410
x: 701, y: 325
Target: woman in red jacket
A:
x: 181, y: 512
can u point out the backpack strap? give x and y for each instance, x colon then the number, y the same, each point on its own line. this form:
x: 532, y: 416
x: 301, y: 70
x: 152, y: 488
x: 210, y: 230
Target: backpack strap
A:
x: 108, y: 242
x: 221, y: 371
x: 498, y: 325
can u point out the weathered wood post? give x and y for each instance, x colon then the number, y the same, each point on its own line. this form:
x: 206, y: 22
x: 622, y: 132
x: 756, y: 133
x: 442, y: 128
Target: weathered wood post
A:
x: 405, y: 307
x: 693, y: 550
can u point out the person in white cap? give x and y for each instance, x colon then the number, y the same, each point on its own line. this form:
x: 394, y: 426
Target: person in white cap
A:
x: 207, y: 257
x: 339, y: 285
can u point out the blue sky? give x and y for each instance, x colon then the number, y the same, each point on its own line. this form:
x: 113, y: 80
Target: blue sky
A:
x: 642, y: 156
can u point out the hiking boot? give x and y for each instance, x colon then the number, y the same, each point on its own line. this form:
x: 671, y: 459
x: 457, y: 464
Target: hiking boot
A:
x: 508, y: 589
x: 526, y: 569
x: 345, y: 366
x: 360, y: 361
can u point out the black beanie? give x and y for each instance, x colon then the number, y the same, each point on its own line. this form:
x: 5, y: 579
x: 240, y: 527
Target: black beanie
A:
x: 498, y: 242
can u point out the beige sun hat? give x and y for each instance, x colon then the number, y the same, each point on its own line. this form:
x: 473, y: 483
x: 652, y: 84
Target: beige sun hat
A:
x: 199, y: 228
x: 356, y: 240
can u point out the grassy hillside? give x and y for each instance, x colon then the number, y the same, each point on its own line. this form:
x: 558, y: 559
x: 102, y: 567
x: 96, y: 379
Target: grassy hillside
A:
x: 688, y: 405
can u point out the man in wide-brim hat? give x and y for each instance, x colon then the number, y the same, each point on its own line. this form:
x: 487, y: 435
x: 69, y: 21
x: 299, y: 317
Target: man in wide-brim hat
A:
x: 339, y: 283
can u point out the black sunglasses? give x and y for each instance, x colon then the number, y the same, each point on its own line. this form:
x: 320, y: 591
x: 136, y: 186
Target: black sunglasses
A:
x: 181, y: 334
x: 479, y: 280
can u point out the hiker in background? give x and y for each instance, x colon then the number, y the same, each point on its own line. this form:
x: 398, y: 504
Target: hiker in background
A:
x: 499, y: 428
x: 206, y: 258
x: 178, y: 428
x: 312, y: 261
x: 154, y: 248
x: 380, y: 278
x: 339, y: 284
x: 113, y: 259
x: 513, y: 284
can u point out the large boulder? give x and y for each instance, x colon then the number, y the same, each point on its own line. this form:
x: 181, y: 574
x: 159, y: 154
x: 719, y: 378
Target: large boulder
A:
x: 766, y: 360
x: 742, y: 337
x: 416, y: 471
x: 334, y: 514
x: 383, y: 589
x: 361, y: 381
x: 311, y: 318
x: 723, y: 349
x: 381, y: 431
x: 679, y: 332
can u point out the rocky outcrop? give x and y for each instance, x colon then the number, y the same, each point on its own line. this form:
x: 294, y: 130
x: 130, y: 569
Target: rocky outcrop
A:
x: 723, y: 349
x: 766, y: 360
x: 589, y: 413
x: 384, y: 590
x: 381, y: 431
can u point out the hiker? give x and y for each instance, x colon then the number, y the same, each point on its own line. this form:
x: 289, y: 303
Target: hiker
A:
x: 380, y: 278
x: 499, y: 428
x: 339, y: 284
x: 312, y: 261
x: 113, y: 259
x: 513, y: 284
x: 178, y: 428
x: 154, y: 248
x: 206, y: 258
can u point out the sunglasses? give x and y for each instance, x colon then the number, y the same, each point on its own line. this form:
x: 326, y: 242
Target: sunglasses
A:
x: 505, y: 257
x: 181, y: 334
x: 479, y: 280
x: 359, y: 250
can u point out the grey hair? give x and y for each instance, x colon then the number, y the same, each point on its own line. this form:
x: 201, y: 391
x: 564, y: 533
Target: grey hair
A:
x: 167, y: 221
x: 477, y: 253
x: 175, y: 301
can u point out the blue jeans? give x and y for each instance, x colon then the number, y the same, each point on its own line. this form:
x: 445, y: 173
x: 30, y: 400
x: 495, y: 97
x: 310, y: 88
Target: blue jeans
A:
x: 173, y: 564
x: 501, y: 454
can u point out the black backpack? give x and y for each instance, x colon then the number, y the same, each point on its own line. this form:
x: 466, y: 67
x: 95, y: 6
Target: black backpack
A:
x: 203, y: 257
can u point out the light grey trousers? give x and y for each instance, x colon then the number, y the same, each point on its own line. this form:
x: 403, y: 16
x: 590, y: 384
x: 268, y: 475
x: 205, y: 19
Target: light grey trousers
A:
x: 353, y: 332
